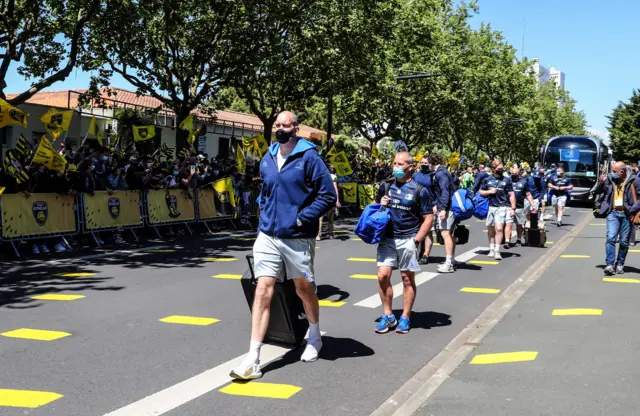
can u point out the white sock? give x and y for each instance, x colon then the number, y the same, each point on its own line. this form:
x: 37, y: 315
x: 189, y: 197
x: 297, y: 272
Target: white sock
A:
x: 449, y: 258
x: 492, y: 247
x: 497, y: 248
x: 314, y: 332
x: 559, y: 218
x: 254, y: 352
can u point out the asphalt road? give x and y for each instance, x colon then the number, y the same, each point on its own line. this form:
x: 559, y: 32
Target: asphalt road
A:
x: 113, y: 355
x: 568, y: 362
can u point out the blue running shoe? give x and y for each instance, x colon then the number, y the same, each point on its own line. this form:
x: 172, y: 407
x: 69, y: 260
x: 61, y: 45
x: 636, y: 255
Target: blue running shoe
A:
x: 386, y: 323
x: 403, y: 325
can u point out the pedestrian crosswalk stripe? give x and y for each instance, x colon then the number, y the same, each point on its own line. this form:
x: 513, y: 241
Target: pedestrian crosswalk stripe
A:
x: 364, y: 276
x: 57, y: 296
x: 76, y: 274
x: 246, y: 238
x: 361, y: 259
x: 483, y: 262
x: 36, y: 334
x: 29, y: 399
x: 590, y: 212
x: 221, y: 259
x: 259, y: 389
x: 576, y: 312
x: 228, y: 276
x: 480, y: 290
x: 620, y: 280
x: 504, y: 357
x: 161, y: 251
x: 574, y: 256
x: 331, y: 303
x: 189, y: 320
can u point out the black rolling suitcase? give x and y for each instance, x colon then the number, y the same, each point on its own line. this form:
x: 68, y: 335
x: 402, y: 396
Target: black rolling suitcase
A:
x: 461, y: 234
x: 535, y: 236
x: 288, y: 323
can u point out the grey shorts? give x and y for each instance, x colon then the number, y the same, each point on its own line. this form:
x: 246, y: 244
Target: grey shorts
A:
x: 274, y: 256
x: 528, y: 207
x: 560, y: 201
x: 520, y: 218
x: 498, y: 215
x: 447, y: 224
x: 398, y: 253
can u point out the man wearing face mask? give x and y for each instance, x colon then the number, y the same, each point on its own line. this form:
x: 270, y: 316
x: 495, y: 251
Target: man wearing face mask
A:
x: 443, y: 190
x: 618, y: 204
x: 502, y: 206
x: 559, y: 185
x: 297, y: 190
x: 523, y: 195
x: 480, y: 176
x: 425, y: 178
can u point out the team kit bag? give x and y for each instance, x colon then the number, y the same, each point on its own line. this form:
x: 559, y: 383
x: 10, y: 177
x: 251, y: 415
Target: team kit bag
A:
x: 288, y: 323
x: 535, y: 236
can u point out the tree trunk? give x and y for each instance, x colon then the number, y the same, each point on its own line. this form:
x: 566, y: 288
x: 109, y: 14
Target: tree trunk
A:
x: 181, y: 135
x: 268, y: 128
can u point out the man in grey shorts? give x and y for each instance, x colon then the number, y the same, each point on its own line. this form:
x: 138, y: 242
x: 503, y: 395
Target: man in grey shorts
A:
x: 502, y: 206
x: 523, y: 199
x: 443, y: 190
x: 295, y: 180
x: 560, y: 186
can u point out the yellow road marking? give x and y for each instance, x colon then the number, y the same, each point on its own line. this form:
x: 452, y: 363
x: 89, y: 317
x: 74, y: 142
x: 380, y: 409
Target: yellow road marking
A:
x: 479, y: 290
x: 161, y: 251
x: 36, y: 334
x: 356, y: 239
x: 77, y: 274
x: 586, y: 211
x: 341, y: 231
x: 189, y: 320
x: 574, y: 256
x: 258, y: 389
x: 331, y: 303
x: 317, y: 247
x: 57, y: 296
x: 620, y: 280
x: 483, y: 262
x: 634, y: 251
x: 485, y: 231
x: 576, y: 312
x: 437, y: 244
x: 246, y: 238
x: 221, y: 259
x: 504, y: 357
x: 364, y: 276
x: 549, y: 242
x: 480, y: 221
x: 30, y: 399
x: 360, y: 259
x: 228, y: 276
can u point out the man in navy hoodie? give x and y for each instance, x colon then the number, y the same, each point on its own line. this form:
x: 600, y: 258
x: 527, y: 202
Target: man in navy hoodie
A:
x: 297, y: 190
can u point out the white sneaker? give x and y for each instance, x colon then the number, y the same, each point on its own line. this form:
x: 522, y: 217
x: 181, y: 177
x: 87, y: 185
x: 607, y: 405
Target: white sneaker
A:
x: 246, y: 371
x: 311, y: 351
x: 497, y: 256
x: 492, y: 253
x: 445, y: 268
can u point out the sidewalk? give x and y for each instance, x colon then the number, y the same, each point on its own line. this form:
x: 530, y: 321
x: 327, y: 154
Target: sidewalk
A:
x: 568, y: 347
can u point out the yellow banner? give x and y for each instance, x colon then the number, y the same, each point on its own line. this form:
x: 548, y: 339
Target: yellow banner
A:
x: 365, y: 195
x: 225, y: 198
x: 142, y: 133
x: 46, y: 155
x: 121, y: 209
x: 57, y: 121
x: 172, y: 206
x: 241, y: 161
x: 349, y: 192
x: 206, y: 204
x: 39, y: 214
x: 341, y: 163
x: 11, y: 115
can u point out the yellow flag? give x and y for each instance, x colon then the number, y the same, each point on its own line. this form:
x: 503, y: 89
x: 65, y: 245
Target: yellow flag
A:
x: 349, y: 192
x: 256, y: 153
x: 375, y: 153
x: 187, y: 123
x: 341, y: 163
x: 142, y: 133
x: 365, y: 195
x: 241, y: 161
x: 418, y: 157
x: 11, y: 115
x: 331, y: 151
x: 93, y: 129
x: 2, y: 188
x: 262, y: 144
x: 56, y: 121
x: 46, y: 155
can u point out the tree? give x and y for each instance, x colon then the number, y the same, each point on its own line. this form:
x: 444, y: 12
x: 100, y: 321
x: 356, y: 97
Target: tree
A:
x: 181, y: 48
x: 46, y: 39
x: 624, y: 127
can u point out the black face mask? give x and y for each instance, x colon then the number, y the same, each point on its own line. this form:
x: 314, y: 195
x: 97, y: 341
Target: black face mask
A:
x: 499, y: 173
x: 283, y: 136
x: 424, y: 169
x: 515, y: 178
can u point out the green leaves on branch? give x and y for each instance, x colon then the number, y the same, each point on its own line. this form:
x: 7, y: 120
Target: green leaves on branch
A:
x: 624, y: 127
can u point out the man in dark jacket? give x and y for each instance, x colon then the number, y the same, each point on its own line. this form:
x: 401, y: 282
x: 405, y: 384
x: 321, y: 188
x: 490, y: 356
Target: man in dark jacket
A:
x: 297, y: 191
x: 617, y: 205
x: 443, y: 190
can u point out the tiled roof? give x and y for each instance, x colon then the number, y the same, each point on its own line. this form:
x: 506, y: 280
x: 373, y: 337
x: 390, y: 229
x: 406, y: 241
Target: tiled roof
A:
x: 69, y: 99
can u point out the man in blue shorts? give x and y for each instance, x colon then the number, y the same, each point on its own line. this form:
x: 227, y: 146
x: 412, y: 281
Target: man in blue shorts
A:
x: 411, y: 210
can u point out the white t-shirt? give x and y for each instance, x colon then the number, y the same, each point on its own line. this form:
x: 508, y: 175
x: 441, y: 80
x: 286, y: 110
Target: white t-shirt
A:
x: 281, y: 159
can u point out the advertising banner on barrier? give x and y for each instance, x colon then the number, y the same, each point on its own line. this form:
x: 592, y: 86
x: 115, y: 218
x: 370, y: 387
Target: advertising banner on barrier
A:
x: 206, y: 204
x: 350, y: 192
x: 225, y: 197
x: 172, y: 205
x: 365, y: 195
x: 121, y: 209
x: 39, y: 214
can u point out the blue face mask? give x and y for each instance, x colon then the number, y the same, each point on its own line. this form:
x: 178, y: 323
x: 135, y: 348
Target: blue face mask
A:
x: 105, y: 158
x: 175, y: 173
x: 398, y: 173
x: 614, y: 176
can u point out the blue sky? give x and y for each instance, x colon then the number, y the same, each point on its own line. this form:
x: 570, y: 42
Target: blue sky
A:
x: 594, y: 42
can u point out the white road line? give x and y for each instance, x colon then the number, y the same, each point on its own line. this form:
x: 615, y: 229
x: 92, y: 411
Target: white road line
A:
x: 194, y: 387
x: 464, y: 257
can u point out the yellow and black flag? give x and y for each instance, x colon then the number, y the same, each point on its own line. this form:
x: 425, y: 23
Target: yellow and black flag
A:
x: 24, y: 147
x: 142, y: 133
x: 224, y: 197
x: 46, y: 155
x: 241, y: 160
x: 57, y: 121
x: 93, y: 130
x: 14, y: 167
x: 11, y: 115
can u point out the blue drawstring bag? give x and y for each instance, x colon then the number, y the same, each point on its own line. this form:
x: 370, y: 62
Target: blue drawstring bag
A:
x: 372, y: 223
x: 480, y: 206
x: 462, y: 205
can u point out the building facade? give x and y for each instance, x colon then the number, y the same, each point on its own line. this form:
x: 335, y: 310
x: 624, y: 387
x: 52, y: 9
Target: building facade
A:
x: 544, y: 74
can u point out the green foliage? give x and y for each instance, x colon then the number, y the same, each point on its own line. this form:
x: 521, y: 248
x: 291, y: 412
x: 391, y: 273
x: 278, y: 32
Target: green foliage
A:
x: 624, y: 127
x: 46, y: 38
x: 127, y: 118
